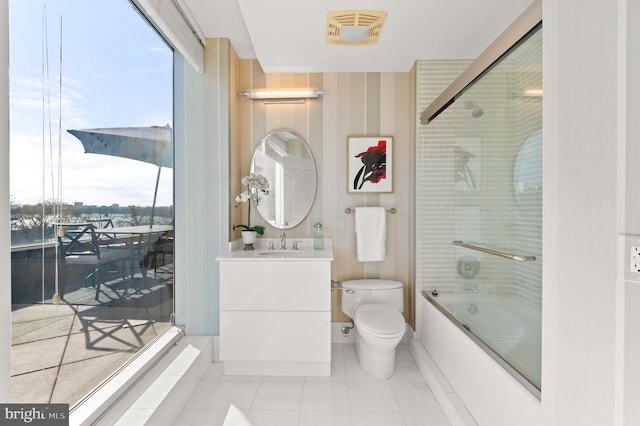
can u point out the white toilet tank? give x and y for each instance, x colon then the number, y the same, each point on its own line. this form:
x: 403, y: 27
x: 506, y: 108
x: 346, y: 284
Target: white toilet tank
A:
x: 358, y: 292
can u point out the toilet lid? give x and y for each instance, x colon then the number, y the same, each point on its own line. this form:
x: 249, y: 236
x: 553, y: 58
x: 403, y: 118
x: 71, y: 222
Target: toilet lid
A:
x: 381, y: 319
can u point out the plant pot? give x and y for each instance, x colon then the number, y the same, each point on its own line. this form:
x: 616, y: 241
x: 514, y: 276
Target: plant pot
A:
x: 249, y: 239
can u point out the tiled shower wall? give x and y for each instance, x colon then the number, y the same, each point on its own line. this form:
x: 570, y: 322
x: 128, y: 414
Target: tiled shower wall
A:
x: 435, y: 228
x: 476, y: 203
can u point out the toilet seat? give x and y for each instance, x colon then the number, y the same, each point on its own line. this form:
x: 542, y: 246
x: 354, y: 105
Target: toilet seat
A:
x: 384, y: 321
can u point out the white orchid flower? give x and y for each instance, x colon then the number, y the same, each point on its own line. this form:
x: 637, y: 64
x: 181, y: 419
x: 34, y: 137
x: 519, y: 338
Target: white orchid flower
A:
x: 253, y: 181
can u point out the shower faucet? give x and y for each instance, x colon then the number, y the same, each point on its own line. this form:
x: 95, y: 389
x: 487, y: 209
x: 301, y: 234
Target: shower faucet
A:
x: 470, y: 287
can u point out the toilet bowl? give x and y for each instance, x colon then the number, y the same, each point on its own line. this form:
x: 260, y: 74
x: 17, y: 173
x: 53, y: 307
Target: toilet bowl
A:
x: 380, y: 328
x: 376, y: 307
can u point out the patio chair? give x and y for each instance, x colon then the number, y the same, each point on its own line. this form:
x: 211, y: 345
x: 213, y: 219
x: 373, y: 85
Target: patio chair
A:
x: 81, y: 245
x: 161, y: 247
x: 101, y: 225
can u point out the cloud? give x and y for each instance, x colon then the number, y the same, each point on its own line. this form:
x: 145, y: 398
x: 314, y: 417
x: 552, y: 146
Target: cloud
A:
x: 112, y: 77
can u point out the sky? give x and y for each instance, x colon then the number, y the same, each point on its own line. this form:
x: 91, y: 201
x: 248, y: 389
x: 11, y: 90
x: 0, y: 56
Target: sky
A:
x: 116, y: 72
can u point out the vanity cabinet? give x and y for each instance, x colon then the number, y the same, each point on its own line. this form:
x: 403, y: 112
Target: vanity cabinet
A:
x: 275, y: 316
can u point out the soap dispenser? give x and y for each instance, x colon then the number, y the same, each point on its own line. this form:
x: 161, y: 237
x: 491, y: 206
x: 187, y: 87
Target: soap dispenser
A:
x: 318, y: 237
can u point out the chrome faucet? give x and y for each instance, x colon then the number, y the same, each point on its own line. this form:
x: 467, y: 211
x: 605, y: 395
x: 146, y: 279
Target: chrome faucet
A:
x: 283, y: 241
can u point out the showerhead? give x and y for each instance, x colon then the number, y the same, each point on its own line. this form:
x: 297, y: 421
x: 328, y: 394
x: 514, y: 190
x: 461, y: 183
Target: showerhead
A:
x: 476, y: 110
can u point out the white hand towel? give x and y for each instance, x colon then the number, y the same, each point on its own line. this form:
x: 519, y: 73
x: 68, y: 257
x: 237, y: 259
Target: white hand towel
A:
x: 371, y: 233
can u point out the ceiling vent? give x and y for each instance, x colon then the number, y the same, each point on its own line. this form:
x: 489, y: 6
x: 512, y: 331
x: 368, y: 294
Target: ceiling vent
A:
x: 354, y: 27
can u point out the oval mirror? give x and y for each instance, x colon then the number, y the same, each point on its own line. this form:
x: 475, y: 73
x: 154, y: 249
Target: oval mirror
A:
x: 285, y: 159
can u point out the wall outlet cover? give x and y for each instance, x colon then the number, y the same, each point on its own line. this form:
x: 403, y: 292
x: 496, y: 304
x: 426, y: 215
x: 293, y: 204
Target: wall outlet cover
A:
x: 634, y: 259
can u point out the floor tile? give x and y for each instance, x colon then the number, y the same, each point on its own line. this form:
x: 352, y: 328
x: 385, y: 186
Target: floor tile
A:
x: 324, y: 418
x: 227, y: 378
x: 349, y: 397
x: 423, y: 419
x: 273, y: 418
x: 325, y: 396
x: 376, y: 419
x: 403, y: 354
x: 356, y: 374
x: 27, y: 358
x: 225, y: 393
x: 201, y: 394
x: 372, y: 397
x: 406, y: 372
x: 283, y: 379
x: 336, y: 352
x: 349, y: 352
x: 206, y: 417
x: 338, y: 374
x: 186, y: 417
x: 278, y: 396
x: 415, y: 397
x: 214, y: 372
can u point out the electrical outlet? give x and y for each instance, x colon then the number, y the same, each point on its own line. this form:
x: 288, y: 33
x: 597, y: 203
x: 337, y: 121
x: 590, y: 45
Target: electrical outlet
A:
x: 341, y: 223
x: 634, y: 259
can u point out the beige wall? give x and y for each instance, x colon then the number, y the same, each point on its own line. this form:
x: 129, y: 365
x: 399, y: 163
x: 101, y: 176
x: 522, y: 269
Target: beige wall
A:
x: 356, y: 104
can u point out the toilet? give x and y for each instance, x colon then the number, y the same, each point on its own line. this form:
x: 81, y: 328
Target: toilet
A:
x: 376, y: 308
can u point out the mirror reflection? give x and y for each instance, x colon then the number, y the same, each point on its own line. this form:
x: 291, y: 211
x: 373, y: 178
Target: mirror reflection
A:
x: 527, y: 176
x: 284, y: 158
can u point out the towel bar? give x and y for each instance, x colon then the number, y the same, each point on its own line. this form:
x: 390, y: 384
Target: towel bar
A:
x: 517, y: 257
x: 392, y: 210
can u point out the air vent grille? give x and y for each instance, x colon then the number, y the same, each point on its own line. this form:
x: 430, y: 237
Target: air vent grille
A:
x: 354, y: 27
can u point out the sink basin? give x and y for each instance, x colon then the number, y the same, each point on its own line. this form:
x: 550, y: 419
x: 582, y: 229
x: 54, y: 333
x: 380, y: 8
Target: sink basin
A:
x: 282, y: 253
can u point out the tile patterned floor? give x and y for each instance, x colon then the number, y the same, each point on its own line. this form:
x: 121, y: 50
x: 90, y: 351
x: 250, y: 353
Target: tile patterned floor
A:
x: 350, y: 397
x: 59, y: 353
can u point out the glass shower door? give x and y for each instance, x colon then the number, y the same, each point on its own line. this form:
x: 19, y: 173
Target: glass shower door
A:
x: 479, y: 216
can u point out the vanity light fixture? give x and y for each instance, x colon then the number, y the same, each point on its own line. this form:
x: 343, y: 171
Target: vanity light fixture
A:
x: 527, y: 93
x: 283, y: 96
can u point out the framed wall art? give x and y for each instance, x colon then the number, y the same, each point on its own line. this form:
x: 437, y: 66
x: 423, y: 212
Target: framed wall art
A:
x: 369, y: 164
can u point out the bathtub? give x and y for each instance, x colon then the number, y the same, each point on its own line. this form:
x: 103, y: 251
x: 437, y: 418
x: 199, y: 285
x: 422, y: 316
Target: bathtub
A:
x: 509, y: 328
x: 488, y: 349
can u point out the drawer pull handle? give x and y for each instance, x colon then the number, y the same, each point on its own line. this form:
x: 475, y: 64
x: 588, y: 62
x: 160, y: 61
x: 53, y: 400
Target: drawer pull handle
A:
x: 351, y: 292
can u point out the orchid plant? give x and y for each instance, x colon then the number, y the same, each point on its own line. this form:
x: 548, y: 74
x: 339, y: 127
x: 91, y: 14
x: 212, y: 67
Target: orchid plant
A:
x: 255, y: 184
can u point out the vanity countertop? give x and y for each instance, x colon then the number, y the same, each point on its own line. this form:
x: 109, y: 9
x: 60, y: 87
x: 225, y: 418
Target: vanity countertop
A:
x: 305, y: 251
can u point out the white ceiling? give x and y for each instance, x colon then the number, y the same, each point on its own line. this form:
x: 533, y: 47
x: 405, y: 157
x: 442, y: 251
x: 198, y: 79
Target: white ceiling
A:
x: 289, y: 35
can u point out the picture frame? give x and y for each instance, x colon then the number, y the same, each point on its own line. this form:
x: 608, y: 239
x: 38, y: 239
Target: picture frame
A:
x: 369, y: 164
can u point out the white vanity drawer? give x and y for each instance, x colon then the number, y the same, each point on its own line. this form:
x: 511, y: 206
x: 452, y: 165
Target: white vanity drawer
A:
x: 275, y: 336
x: 275, y: 286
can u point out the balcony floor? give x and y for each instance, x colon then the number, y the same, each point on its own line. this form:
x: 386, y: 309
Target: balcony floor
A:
x: 61, y: 352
